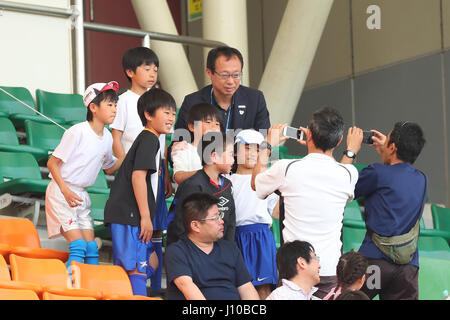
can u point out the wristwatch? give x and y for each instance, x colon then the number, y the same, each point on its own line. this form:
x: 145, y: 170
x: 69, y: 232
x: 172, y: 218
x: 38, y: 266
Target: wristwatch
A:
x: 350, y: 154
x: 265, y: 145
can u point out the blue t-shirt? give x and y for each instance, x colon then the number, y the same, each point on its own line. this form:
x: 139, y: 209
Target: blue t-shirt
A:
x: 217, y: 274
x: 393, y: 201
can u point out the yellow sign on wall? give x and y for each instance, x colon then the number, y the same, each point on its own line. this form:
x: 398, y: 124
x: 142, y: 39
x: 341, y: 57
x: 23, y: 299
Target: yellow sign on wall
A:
x: 194, y: 9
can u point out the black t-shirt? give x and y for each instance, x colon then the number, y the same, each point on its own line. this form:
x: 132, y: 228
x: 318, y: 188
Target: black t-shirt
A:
x: 122, y: 207
x: 201, y: 182
x: 217, y: 274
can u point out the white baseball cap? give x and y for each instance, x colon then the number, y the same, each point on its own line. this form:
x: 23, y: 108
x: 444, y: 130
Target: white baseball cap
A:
x: 249, y: 136
x: 96, y: 88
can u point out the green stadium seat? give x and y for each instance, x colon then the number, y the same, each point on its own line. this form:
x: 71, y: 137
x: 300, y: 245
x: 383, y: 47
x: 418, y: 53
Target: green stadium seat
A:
x: 100, y: 185
x: 69, y: 107
x: 19, y: 173
x: 9, y: 141
x: 43, y: 136
x: 441, y: 220
x: 434, y: 247
x: 352, y: 238
x: 353, y: 215
x: 434, y: 278
x: 98, y: 202
x: 15, y: 110
x: 275, y: 228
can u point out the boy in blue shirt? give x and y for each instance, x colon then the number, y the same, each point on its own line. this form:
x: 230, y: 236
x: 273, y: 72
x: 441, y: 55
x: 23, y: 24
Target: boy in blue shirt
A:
x: 131, y: 206
x: 394, y: 194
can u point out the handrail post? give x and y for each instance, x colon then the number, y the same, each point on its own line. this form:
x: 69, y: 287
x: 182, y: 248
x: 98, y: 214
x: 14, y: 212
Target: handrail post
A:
x: 146, y: 41
x: 80, y: 72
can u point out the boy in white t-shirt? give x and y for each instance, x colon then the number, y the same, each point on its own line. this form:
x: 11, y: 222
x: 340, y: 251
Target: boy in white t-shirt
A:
x: 140, y: 66
x: 84, y: 149
x: 201, y: 118
x: 254, y: 216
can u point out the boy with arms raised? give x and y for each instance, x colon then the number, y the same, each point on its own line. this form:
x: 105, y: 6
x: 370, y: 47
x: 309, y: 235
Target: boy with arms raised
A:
x: 131, y: 206
x: 84, y: 150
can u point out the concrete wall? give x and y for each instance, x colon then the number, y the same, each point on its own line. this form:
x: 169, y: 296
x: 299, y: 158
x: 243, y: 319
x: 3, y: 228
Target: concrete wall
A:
x: 36, y: 50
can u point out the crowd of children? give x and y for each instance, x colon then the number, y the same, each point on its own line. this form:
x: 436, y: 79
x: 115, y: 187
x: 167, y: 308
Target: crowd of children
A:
x: 210, y: 162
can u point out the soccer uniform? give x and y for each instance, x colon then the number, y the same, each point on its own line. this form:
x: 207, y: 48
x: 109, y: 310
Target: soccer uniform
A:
x: 201, y: 182
x: 122, y: 211
x: 253, y: 236
x: 83, y: 154
x: 128, y: 121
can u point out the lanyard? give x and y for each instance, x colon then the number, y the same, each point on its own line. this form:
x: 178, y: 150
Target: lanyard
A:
x: 228, y: 111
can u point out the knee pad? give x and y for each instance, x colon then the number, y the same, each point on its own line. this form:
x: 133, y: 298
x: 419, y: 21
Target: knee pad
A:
x: 91, y: 253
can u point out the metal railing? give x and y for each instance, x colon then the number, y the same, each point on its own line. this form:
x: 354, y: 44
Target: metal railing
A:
x: 79, y: 26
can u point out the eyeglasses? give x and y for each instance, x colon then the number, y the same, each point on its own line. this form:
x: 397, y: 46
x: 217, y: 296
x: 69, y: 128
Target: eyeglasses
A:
x: 217, y: 218
x: 225, y: 76
x: 316, y: 257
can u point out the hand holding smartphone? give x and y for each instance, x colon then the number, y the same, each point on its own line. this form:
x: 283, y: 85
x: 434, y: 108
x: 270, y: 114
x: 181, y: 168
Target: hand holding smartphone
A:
x: 293, y: 133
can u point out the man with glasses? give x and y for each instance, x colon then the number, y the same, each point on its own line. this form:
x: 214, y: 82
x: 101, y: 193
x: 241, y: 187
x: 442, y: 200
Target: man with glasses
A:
x: 241, y: 107
x: 201, y: 265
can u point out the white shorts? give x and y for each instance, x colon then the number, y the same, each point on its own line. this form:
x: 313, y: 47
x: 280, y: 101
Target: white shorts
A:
x: 60, y: 214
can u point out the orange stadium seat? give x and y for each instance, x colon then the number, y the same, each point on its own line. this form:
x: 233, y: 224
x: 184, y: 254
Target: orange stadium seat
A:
x: 52, y: 296
x: 23, y: 239
x: 112, y: 280
x: 7, y: 283
x: 17, y: 294
x: 50, y: 274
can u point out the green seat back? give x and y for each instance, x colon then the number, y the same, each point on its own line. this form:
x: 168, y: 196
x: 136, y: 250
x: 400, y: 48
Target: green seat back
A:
x: 98, y: 202
x: 433, y: 244
x: 9, y: 105
x: 441, y: 217
x: 275, y: 228
x: 352, y: 238
x: 434, y: 278
x: 43, y: 135
x: 100, y: 182
x: 8, y: 134
x: 14, y: 165
x: 69, y: 107
x: 353, y: 211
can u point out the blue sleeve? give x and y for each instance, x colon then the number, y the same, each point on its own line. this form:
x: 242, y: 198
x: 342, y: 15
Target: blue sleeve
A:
x: 176, y: 262
x: 367, y: 182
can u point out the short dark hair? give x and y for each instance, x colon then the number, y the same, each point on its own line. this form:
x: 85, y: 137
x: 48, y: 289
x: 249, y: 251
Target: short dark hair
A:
x: 409, y: 140
x: 287, y: 257
x: 152, y: 100
x: 109, y: 95
x: 228, y: 52
x: 195, y: 207
x: 203, y: 111
x: 327, y: 127
x: 213, y: 142
x: 353, y: 295
x: 135, y: 57
x: 351, y: 266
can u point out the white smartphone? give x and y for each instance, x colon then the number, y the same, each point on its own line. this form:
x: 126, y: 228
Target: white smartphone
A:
x: 293, y: 133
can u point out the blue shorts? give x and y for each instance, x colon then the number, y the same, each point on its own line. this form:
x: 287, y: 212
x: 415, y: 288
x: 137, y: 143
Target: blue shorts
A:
x: 128, y: 250
x: 258, y: 249
x: 160, y: 218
